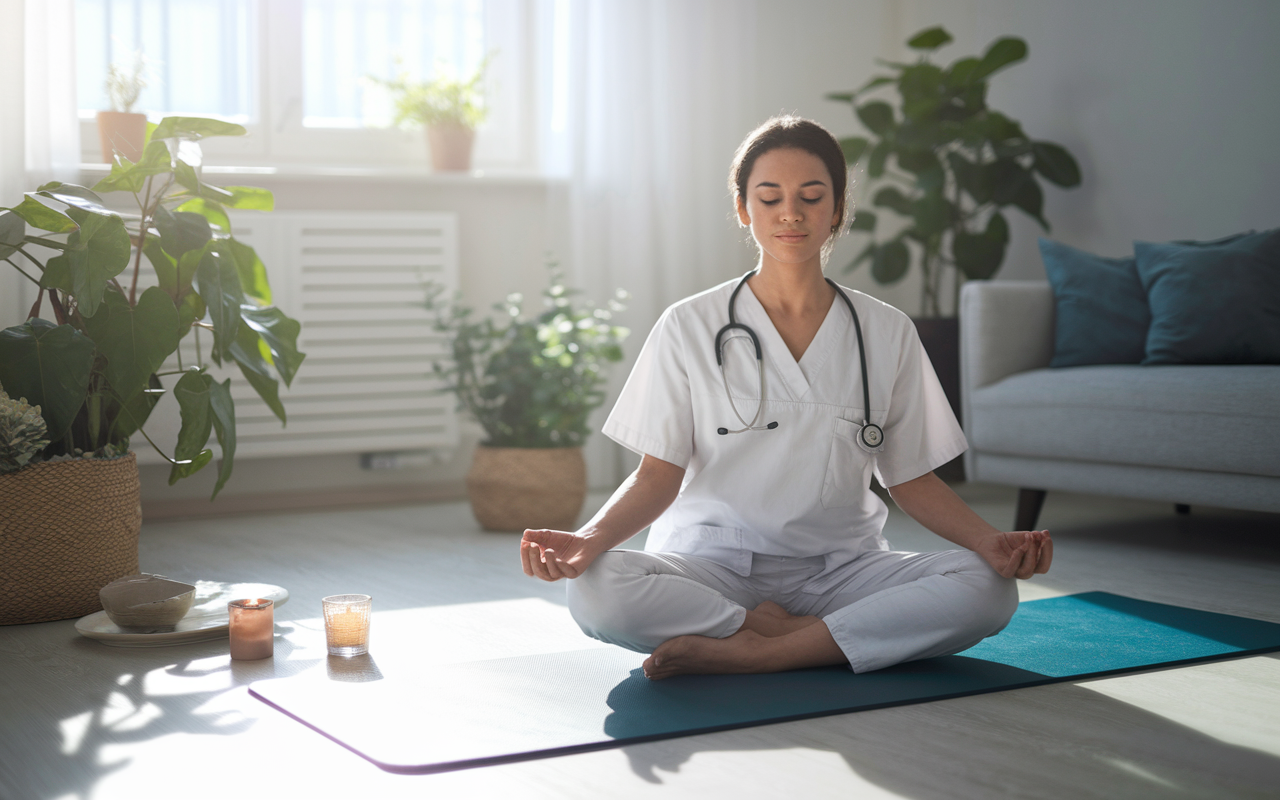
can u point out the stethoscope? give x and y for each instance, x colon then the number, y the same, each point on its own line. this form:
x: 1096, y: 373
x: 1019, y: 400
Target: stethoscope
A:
x: 870, y: 436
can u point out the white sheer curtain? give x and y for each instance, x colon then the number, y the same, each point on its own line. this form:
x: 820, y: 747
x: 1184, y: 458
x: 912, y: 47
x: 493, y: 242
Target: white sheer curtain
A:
x: 39, y: 129
x: 647, y: 101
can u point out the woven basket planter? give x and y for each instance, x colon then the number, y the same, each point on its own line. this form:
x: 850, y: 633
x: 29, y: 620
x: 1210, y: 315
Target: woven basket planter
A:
x: 67, y: 529
x: 514, y: 488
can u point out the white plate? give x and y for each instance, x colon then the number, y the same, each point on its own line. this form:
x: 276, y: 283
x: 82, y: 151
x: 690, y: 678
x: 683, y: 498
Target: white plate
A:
x: 206, y: 620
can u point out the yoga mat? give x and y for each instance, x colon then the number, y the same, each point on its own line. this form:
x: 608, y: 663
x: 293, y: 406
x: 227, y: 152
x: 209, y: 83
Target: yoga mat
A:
x: 512, y: 709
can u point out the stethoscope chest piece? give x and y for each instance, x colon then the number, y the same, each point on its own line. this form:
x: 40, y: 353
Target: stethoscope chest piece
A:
x: 871, y: 438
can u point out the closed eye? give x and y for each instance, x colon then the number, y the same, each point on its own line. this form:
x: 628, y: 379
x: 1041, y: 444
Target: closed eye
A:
x: 810, y: 201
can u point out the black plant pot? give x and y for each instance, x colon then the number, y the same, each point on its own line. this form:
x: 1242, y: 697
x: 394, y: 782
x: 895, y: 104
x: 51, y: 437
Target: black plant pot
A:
x: 941, y: 339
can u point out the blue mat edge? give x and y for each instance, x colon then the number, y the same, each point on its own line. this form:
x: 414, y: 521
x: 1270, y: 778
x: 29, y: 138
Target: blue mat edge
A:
x: 609, y: 744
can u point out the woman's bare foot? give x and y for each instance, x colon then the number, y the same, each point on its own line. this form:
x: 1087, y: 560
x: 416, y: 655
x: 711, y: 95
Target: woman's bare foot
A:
x: 770, y: 619
x: 686, y: 655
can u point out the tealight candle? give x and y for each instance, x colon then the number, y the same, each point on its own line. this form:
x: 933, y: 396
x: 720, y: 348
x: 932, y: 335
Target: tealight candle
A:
x: 346, y: 624
x: 252, y: 629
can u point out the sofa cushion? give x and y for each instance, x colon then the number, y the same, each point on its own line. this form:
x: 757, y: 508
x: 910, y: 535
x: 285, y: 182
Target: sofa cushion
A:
x: 1213, y: 302
x: 1214, y: 418
x: 1100, y: 308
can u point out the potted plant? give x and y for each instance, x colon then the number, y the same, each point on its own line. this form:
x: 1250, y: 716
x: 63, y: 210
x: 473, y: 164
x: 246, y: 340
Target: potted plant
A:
x: 948, y: 166
x: 69, y: 515
x: 531, y: 383
x: 121, y: 130
x: 450, y: 109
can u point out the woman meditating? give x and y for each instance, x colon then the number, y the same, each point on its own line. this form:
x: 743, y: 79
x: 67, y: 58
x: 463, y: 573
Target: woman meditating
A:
x: 762, y: 408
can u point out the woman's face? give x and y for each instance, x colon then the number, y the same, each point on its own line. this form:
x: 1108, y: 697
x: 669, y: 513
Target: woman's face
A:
x: 790, y: 205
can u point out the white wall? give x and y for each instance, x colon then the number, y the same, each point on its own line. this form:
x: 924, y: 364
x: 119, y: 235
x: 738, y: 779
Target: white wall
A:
x: 1169, y: 105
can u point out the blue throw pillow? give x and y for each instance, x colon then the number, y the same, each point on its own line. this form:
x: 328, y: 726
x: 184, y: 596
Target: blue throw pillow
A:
x: 1213, y: 302
x: 1101, y: 310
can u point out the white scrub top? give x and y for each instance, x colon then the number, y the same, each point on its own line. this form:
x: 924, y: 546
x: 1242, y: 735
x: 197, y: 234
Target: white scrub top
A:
x: 802, y: 489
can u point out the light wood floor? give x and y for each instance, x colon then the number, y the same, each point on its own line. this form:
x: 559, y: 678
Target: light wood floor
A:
x: 82, y: 720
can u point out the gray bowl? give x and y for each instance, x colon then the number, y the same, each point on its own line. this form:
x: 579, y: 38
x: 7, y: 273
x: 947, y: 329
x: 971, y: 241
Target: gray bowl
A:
x: 146, y: 603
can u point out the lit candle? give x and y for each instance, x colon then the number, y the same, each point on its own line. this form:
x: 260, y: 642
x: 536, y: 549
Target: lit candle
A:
x: 346, y: 624
x: 252, y: 629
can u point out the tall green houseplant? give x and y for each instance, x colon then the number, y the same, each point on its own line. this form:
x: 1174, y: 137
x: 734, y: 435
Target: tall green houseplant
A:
x: 90, y: 354
x: 947, y: 166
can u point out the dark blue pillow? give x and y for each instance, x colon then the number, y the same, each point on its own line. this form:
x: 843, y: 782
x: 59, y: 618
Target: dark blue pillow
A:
x: 1213, y: 302
x: 1101, y: 310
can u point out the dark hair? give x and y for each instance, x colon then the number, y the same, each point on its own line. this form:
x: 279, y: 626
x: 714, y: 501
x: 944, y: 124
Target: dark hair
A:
x: 801, y: 134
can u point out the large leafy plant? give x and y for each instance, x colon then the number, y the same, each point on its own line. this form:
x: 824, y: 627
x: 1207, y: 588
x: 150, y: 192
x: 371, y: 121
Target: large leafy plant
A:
x: 948, y: 166
x: 530, y: 382
x: 442, y: 100
x: 95, y: 367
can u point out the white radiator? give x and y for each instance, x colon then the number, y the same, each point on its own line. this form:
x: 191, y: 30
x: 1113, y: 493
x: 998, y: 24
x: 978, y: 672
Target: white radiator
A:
x: 355, y: 280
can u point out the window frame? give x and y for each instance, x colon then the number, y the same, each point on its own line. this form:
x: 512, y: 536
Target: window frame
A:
x: 276, y: 136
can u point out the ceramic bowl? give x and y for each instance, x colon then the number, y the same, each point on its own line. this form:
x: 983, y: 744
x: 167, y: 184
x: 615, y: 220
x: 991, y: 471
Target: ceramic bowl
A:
x: 146, y: 603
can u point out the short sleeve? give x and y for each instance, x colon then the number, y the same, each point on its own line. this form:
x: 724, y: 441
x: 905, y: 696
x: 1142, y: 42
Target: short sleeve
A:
x: 920, y: 431
x: 654, y: 413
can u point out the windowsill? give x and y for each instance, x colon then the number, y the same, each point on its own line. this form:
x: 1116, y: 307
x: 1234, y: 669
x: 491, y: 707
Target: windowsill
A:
x: 394, y: 174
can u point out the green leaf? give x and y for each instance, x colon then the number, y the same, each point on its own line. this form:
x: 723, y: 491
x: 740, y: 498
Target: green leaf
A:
x: 223, y: 409
x: 57, y: 274
x: 280, y: 334
x: 877, y: 116
x: 192, y: 394
x: 1006, y: 178
x: 191, y: 309
x: 932, y: 214
x: 961, y: 72
x: 134, y: 340
x: 863, y: 220
x: 841, y: 97
x: 253, y: 273
x: 1002, y: 52
x: 890, y: 262
x: 219, y: 284
x: 875, y: 162
x: 165, y: 265
x: 186, y: 176
x: 72, y: 195
x: 970, y: 177
x: 929, y: 39
x: 13, y: 232
x: 130, y: 177
x: 979, y: 256
x: 853, y: 148
x: 1030, y: 198
x: 868, y: 253
x: 97, y: 252
x: 891, y: 197
x: 210, y: 210
x: 250, y: 198
x: 49, y: 365
x: 246, y: 353
x: 135, y: 413
x: 38, y: 215
x: 1055, y: 164
x: 998, y: 228
x: 195, y: 128
x: 181, y: 231
x: 875, y: 83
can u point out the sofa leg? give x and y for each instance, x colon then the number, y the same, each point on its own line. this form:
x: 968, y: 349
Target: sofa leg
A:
x: 1182, y: 508
x: 1030, y: 501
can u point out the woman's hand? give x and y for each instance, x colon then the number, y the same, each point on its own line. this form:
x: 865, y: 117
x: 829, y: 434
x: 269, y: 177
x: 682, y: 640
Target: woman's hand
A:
x: 552, y: 555
x: 1019, y: 554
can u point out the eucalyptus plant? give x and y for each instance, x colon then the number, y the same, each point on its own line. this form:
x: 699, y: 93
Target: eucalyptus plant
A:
x: 96, y: 368
x: 529, y: 381
x: 948, y: 165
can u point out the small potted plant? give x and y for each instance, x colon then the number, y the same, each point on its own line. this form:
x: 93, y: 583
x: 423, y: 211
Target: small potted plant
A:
x: 121, y: 130
x: 531, y: 383
x: 450, y: 109
x: 89, y: 360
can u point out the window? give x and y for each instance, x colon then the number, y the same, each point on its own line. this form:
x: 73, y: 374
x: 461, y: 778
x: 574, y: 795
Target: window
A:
x: 297, y: 73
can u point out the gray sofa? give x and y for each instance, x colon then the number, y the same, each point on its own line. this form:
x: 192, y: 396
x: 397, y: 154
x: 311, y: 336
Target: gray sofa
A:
x: 1190, y: 435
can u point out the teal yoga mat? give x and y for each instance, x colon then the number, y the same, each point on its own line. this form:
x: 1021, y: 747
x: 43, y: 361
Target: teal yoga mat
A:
x: 492, y: 712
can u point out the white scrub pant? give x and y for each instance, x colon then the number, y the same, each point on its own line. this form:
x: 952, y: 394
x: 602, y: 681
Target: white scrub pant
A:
x: 882, y: 608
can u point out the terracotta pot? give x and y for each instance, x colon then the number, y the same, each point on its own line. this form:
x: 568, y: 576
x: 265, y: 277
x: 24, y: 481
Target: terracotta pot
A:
x: 514, y: 488
x: 67, y: 529
x: 121, y: 133
x: 450, y: 147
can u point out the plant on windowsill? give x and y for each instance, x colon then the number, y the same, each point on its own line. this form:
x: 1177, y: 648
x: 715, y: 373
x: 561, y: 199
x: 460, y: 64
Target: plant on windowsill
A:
x: 450, y: 109
x: 948, y: 165
x: 121, y: 130
x: 69, y: 514
x: 531, y: 383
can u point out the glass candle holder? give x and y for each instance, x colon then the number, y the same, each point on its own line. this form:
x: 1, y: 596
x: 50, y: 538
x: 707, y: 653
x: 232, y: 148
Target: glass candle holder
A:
x: 252, y: 629
x: 346, y: 624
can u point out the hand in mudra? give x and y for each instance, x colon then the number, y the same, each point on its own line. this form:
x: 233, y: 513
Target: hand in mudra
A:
x: 552, y: 555
x: 1018, y: 554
